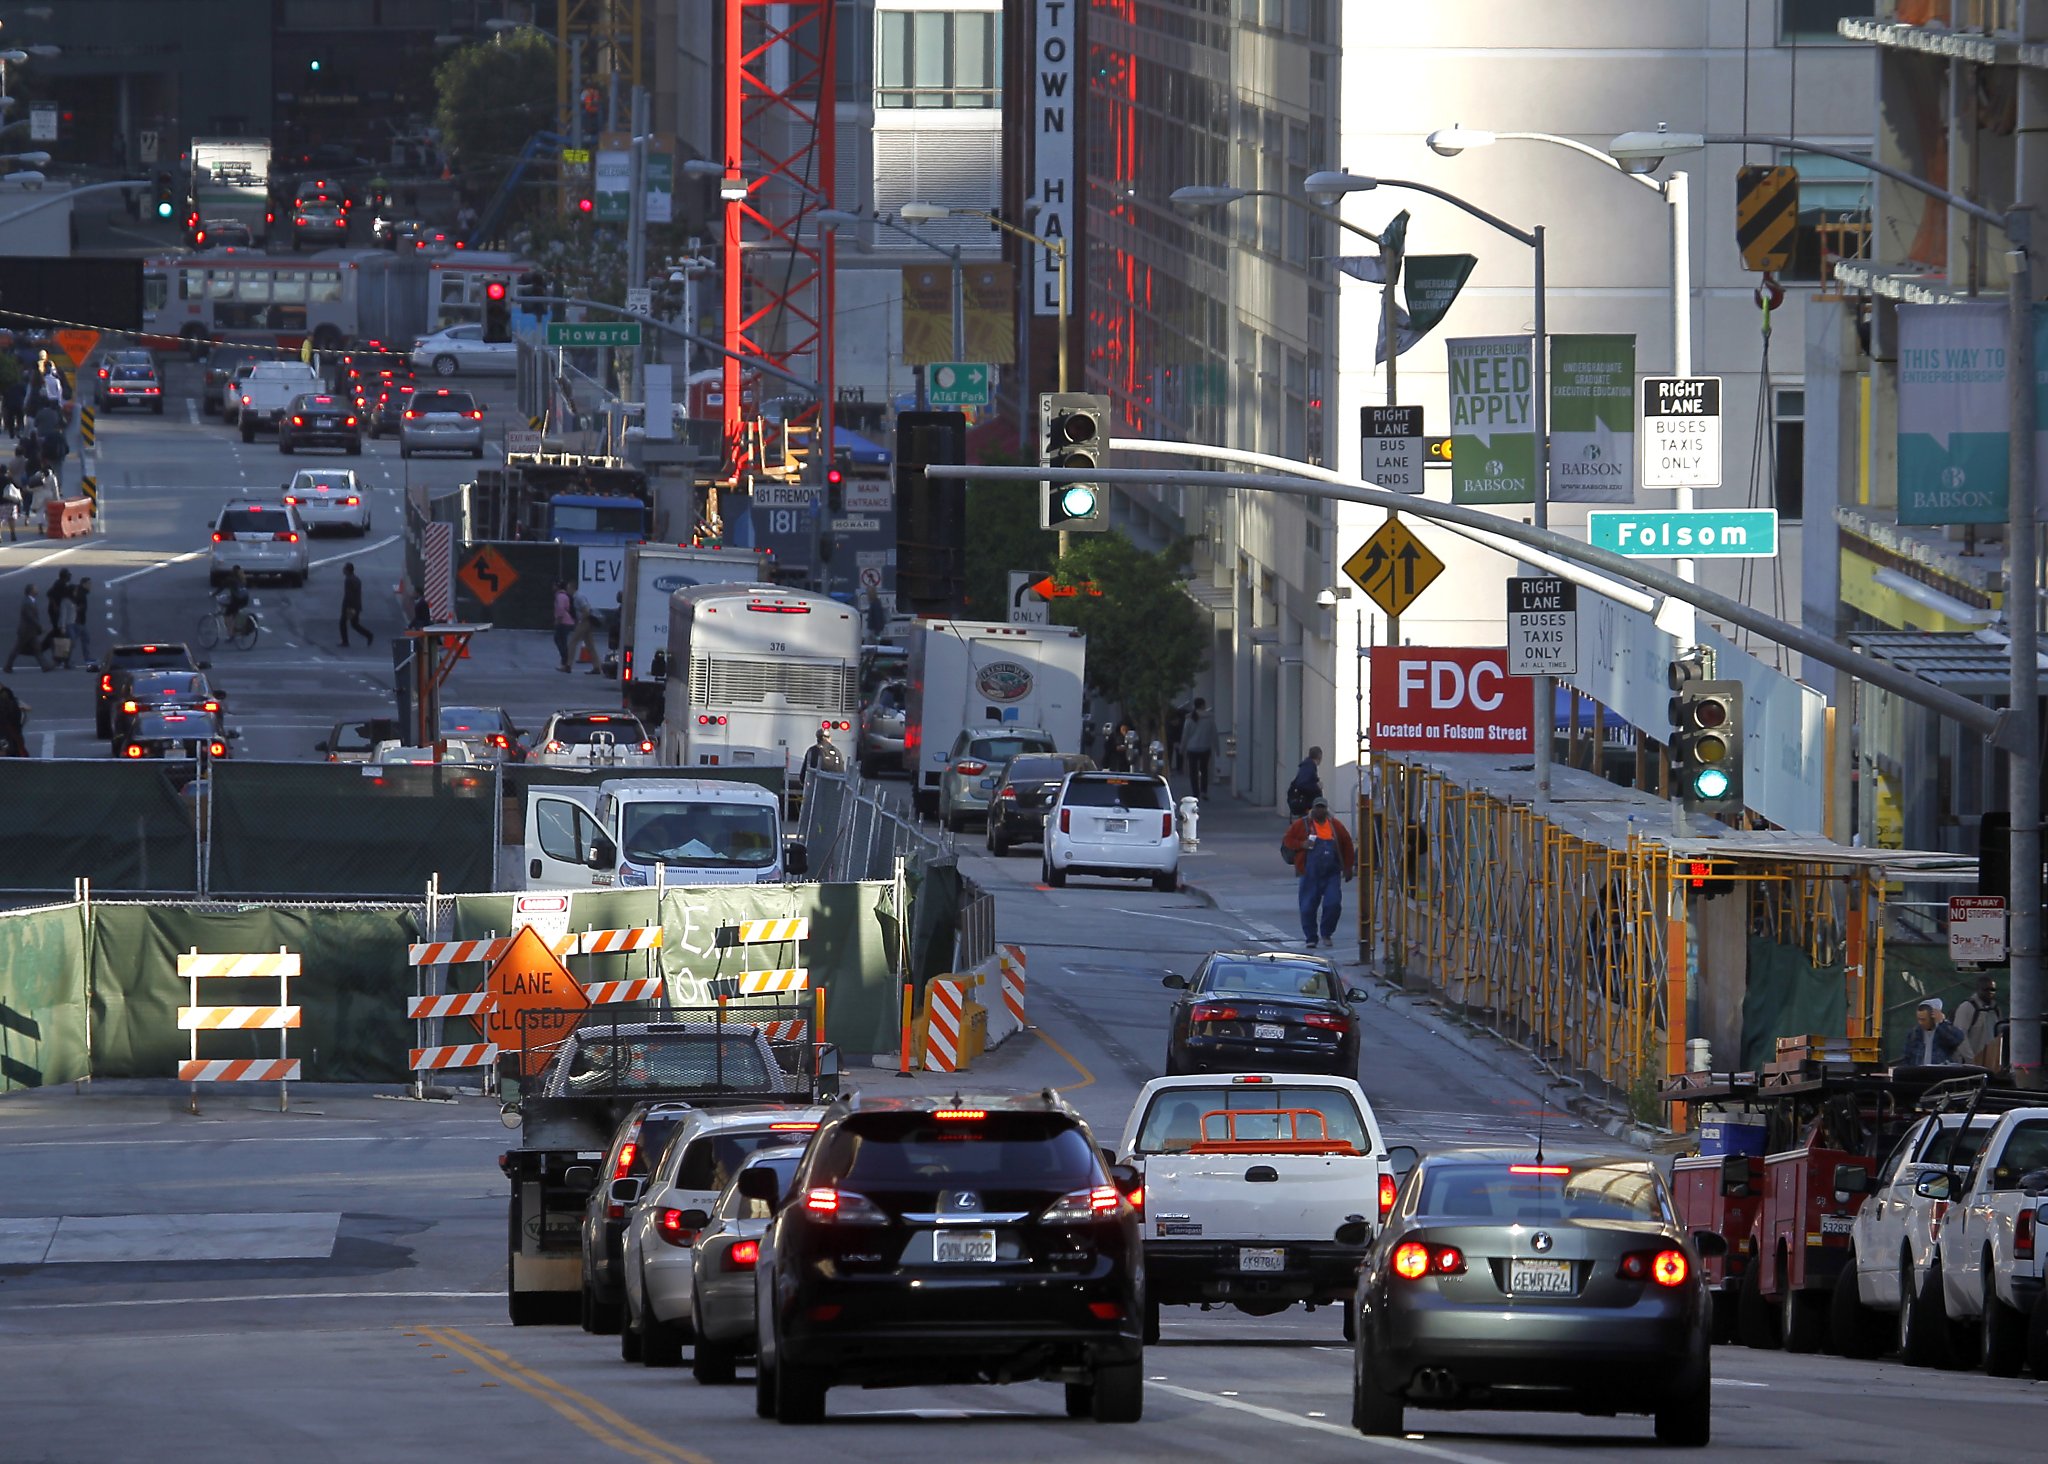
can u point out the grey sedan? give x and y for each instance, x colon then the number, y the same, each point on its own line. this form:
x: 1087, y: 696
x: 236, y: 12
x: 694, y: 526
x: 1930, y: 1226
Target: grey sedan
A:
x: 722, y: 1263
x: 1507, y: 1281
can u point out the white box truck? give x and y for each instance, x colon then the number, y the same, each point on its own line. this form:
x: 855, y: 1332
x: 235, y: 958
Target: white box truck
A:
x: 972, y: 673
x: 641, y: 579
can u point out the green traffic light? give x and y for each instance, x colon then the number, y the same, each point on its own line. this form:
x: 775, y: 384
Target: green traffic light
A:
x: 1077, y: 501
x: 163, y: 210
x: 1710, y: 783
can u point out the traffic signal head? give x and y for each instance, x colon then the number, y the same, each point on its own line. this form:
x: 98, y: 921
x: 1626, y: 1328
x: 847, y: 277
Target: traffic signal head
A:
x: 497, y: 313
x: 1073, y: 434
x: 1706, y: 739
x: 495, y: 290
x: 584, y: 205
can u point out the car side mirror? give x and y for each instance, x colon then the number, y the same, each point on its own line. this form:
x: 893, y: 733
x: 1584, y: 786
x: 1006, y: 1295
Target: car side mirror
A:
x: 508, y: 1114
x: 1735, y: 1174
x: 758, y: 1183
x: 1401, y: 1158
x: 602, y: 853
x: 1709, y: 1243
x: 1357, y: 993
x: 626, y: 1191
x: 321, y: 746
x: 796, y: 857
x: 1126, y: 1178
x: 581, y: 1178
x: 1935, y: 1186
x: 234, y: 734
x: 698, y: 1219
x: 1852, y: 1179
x: 204, y: 665
x: 1174, y: 981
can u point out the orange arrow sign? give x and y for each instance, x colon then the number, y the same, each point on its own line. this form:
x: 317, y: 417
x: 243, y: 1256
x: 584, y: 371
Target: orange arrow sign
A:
x: 1045, y: 589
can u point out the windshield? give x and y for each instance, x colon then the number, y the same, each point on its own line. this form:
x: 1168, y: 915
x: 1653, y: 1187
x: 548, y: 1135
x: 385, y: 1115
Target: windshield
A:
x: 441, y: 402
x: 1037, y: 769
x: 1270, y: 978
x: 1141, y: 793
x: 1174, y: 1121
x: 711, y: 1160
x: 739, y: 835
x: 668, y: 1060
x: 1525, y: 1193
x: 605, y: 727
x: 782, y: 1164
x: 253, y: 521
x: 456, y: 720
x: 920, y: 1152
x: 626, y: 518
x: 2026, y: 1150
x: 322, y: 482
x: 1002, y: 749
x: 133, y: 373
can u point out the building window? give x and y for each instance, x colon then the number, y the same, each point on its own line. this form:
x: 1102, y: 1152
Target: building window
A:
x: 1806, y: 21
x: 1788, y: 422
x: 1834, y: 215
x: 853, y: 49
x: 937, y: 58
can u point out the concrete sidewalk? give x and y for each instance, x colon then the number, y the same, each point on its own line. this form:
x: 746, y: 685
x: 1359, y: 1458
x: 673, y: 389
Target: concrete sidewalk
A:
x: 1238, y: 869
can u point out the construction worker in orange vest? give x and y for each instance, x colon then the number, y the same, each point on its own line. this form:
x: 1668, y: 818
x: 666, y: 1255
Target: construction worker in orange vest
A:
x: 1321, y: 851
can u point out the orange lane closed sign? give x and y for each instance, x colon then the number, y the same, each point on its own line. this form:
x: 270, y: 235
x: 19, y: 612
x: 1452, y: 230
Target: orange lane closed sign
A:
x: 529, y: 980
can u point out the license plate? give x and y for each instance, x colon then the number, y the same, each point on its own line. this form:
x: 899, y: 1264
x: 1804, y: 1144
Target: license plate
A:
x: 1268, y: 1032
x: 1250, y: 1259
x: 1117, y: 825
x: 1540, y: 1278
x: 964, y: 1245
x: 1837, y: 1224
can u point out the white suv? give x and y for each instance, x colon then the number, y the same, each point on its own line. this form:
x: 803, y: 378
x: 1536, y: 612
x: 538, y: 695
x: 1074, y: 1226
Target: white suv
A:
x: 1115, y: 824
x: 259, y: 538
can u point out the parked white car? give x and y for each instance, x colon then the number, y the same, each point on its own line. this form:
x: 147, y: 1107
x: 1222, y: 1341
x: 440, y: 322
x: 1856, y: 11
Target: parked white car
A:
x: 1114, y: 824
x: 674, y: 1204
x: 329, y: 498
x: 461, y: 350
x: 259, y: 539
x: 594, y: 740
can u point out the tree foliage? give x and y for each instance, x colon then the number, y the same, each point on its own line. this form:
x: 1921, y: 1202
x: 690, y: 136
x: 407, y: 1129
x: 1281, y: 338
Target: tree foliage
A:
x: 491, y: 97
x: 1002, y: 535
x: 1147, y: 640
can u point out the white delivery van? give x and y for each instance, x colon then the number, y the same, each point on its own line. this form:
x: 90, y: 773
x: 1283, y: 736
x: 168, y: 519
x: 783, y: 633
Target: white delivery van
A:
x: 970, y: 673
x: 698, y: 831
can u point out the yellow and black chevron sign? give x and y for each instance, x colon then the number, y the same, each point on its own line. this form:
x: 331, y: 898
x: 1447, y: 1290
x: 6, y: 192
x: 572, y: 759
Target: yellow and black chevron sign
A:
x: 1766, y: 216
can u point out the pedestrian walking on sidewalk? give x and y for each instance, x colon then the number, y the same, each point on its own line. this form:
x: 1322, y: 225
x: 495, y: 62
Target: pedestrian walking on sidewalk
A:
x: 11, y: 499
x: 352, y: 607
x: 565, y: 621
x: 1307, y: 786
x: 28, y: 631
x: 1197, y: 746
x: 584, y: 636
x: 1321, y: 850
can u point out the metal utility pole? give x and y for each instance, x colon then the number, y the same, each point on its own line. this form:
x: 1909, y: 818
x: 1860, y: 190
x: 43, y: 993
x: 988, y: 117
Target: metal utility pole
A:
x: 2022, y: 610
x: 1539, y: 409
x: 636, y: 229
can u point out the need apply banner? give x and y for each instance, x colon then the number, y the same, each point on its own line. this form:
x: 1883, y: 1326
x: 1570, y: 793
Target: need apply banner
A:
x: 1493, y: 434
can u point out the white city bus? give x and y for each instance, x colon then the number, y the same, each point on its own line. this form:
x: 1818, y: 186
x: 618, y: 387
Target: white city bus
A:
x: 767, y: 668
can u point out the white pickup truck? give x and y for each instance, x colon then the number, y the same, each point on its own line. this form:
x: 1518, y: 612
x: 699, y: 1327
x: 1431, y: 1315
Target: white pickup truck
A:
x: 1249, y: 1178
x: 1991, y: 1241
x: 269, y: 390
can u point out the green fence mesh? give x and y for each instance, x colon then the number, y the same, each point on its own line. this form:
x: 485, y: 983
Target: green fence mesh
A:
x: 354, y: 988
x: 339, y: 829
x: 42, y: 998
x: 123, y: 825
x: 1787, y: 995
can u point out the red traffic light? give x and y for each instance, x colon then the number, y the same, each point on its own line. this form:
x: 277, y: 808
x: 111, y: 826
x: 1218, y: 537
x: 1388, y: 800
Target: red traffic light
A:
x: 495, y: 290
x: 583, y: 205
x: 834, y: 477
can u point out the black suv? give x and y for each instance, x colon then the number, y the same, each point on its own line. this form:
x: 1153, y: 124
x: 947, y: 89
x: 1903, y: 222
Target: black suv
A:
x: 928, y: 1241
x: 118, y: 668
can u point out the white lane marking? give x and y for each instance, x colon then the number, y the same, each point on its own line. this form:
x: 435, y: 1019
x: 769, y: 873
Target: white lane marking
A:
x: 1738, y: 1383
x: 50, y: 744
x: 262, y: 1296
x: 1295, y: 1420
x: 38, y: 563
x: 153, y: 568
x: 191, y: 411
x: 202, y: 1138
x: 1178, y: 919
x: 359, y: 549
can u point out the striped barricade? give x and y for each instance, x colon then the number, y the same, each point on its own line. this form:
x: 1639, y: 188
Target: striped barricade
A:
x: 454, y: 1004
x: 609, y: 942
x: 280, y: 1017
x: 471, y: 1005
x: 766, y: 983
x: 457, y: 1055
x: 1010, y: 963
x: 763, y: 932
x: 945, y: 1016
x: 452, y: 952
x: 638, y: 988
x: 794, y: 1030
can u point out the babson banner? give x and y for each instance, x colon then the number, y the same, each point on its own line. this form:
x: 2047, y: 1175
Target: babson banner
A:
x: 1954, y: 420
x: 1592, y: 418
x: 1493, y: 436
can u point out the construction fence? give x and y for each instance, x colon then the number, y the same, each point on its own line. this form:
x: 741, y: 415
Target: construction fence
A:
x: 1617, y: 946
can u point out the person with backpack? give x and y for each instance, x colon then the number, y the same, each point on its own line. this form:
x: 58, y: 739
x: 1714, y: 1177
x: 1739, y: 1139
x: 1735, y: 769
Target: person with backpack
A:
x: 1307, y: 786
x: 12, y: 500
x: 1323, y: 856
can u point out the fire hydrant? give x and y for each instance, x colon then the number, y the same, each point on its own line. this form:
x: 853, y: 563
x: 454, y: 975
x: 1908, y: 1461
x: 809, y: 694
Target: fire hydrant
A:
x: 1190, y: 811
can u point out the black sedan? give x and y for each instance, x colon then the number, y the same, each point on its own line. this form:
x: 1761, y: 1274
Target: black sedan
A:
x: 175, y: 733
x: 1510, y: 1282
x: 145, y: 691
x: 1262, y: 1011
x: 1024, y: 790
x: 322, y: 419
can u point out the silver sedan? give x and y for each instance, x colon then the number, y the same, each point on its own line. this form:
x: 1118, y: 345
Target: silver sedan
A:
x: 722, y: 1264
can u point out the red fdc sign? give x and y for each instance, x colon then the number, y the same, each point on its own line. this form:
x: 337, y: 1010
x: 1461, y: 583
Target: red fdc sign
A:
x: 1448, y: 699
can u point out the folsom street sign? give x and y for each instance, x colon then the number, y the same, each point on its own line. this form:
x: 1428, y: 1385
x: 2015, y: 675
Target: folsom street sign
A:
x: 1712, y: 533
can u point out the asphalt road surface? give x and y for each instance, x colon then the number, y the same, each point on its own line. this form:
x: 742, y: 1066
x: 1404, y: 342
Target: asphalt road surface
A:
x: 327, y: 1283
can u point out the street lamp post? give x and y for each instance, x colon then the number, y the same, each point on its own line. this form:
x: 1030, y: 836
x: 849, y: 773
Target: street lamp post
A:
x: 1328, y: 187
x: 1645, y: 151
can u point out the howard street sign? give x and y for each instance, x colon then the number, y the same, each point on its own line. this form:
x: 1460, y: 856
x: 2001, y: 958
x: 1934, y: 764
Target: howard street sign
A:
x: 1681, y: 432
x: 593, y: 333
x: 956, y: 384
x: 1543, y: 627
x: 1393, y: 566
x: 1707, y: 533
x: 1391, y: 447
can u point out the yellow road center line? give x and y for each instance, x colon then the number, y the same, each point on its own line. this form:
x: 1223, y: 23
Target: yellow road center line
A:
x: 492, y: 1357
x: 545, y: 1390
x: 1072, y: 1061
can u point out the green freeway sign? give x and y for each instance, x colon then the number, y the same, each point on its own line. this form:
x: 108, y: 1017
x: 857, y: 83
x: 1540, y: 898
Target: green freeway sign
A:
x: 593, y: 333
x: 956, y: 384
x: 1708, y: 533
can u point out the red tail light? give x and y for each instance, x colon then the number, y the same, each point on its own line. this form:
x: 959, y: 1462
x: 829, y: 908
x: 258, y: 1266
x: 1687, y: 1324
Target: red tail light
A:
x: 410, y: 414
x: 352, y: 500
x: 129, y: 706
x: 1670, y: 1268
x: 1413, y: 1260
x: 298, y: 421
x: 741, y: 1255
x: 1386, y: 1195
x: 647, y: 747
x: 671, y: 1228
x: 349, y: 422
x: 967, y: 766
x: 2023, y: 1236
x: 1006, y: 792
x: 1165, y: 825
x: 291, y: 498
x: 107, y: 682
x: 476, y: 416
x: 288, y: 537
x: 1066, y: 822
x: 710, y: 719
x: 133, y: 749
x: 498, y: 739
x: 1550, y: 1169
x: 212, y: 706
x: 217, y: 538
x: 1324, y: 1022
x: 627, y: 1152
x: 1210, y: 1011
x: 217, y: 749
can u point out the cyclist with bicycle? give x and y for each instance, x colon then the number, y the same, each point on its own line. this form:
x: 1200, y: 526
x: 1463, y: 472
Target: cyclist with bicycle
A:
x: 234, y: 601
